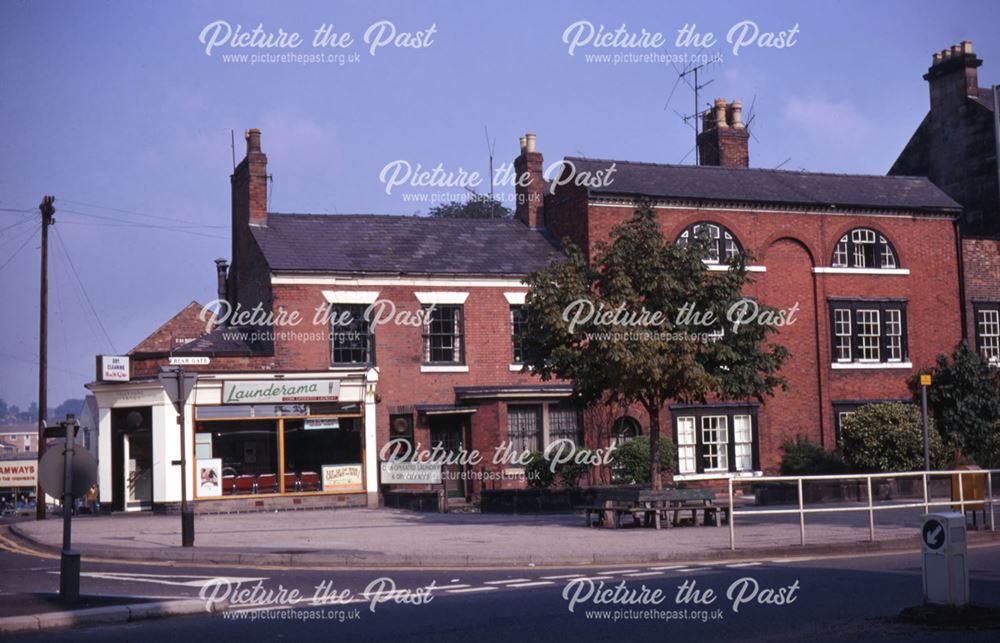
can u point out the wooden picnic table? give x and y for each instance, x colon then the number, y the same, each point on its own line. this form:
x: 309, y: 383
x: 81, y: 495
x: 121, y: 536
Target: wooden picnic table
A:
x: 649, y: 507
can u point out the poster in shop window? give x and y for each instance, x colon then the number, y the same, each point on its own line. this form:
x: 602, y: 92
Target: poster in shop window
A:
x: 342, y: 477
x: 210, y: 478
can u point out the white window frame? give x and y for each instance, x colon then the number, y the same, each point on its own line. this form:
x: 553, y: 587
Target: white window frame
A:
x: 687, y: 458
x: 988, y: 334
x: 720, y: 444
x: 743, y: 442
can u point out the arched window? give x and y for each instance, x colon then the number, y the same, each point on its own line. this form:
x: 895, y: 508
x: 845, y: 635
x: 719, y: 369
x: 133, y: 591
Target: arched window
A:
x: 722, y: 244
x: 624, y: 429
x: 864, y: 248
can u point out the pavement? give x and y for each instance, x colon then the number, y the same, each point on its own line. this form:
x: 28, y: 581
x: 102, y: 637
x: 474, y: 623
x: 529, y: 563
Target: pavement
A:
x: 388, y: 538
x: 371, y: 539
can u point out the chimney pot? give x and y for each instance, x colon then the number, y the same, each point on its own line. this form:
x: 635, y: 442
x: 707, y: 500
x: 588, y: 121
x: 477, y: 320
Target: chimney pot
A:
x: 720, y: 113
x: 966, y: 46
x: 253, y: 140
x: 945, y: 54
x: 936, y: 58
x: 523, y: 144
x: 736, y: 114
x: 529, y: 140
x: 956, y: 50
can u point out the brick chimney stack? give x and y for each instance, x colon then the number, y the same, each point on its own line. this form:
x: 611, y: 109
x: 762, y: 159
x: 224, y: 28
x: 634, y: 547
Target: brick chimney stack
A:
x: 953, y: 76
x: 249, y: 203
x: 530, y: 197
x: 724, y: 139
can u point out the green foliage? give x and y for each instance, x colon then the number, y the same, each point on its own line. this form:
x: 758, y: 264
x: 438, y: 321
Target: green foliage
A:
x: 540, y: 472
x: 889, y: 437
x: 630, y: 462
x: 476, y: 208
x: 803, y: 457
x: 640, y: 273
x: 964, y: 398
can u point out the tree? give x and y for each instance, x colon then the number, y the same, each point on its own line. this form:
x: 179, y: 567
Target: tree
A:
x: 889, y: 437
x: 72, y: 405
x: 964, y: 398
x: 648, y: 351
x: 803, y: 457
x: 474, y: 208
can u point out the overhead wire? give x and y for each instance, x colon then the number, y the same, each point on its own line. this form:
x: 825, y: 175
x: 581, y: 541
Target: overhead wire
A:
x: 83, y: 289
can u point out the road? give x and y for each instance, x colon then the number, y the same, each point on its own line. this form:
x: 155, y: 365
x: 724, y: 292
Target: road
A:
x: 844, y: 598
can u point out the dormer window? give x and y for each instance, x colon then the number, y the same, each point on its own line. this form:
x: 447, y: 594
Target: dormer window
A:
x: 722, y: 245
x: 864, y: 248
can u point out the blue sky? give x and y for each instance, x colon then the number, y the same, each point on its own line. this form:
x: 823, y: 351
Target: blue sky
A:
x: 116, y: 109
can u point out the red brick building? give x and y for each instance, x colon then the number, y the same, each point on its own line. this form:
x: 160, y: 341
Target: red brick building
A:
x: 296, y: 413
x: 956, y: 147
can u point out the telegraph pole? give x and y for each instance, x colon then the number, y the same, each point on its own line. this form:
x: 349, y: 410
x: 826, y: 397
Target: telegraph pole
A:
x: 47, y: 211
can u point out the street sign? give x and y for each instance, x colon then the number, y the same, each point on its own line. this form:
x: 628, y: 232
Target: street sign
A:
x: 925, y: 379
x: 933, y: 534
x: 192, y: 360
x: 168, y: 378
x: 52, y: 471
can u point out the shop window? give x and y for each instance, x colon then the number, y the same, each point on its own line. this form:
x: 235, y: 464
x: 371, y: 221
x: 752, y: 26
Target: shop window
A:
x: 314, y: 443
x: 524, y: 427
x: 351, y: 338
x: 241, y: 456
x: 443, y: 341
x: 243, y: 449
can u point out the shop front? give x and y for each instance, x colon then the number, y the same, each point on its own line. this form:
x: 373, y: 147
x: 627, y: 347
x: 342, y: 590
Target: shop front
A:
x: 253, y: 441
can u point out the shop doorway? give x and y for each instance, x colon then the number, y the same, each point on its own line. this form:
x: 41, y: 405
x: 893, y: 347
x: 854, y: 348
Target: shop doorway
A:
x: 448, y: 433
x: 132, y: 458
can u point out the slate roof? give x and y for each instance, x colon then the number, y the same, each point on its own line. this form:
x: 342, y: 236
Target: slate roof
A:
x: 778, y: 187
x: 984, y: 97
x: 221, y: 342
x: 366, y: 243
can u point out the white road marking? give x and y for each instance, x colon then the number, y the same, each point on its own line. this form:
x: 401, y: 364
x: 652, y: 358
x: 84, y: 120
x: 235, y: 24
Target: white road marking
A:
x: 449, y: 586
x: 532, y: 584
x: 790, y: 560
x: 507, y: 582
x: 562, y: 576
x: 168, y: 579
x: 668, y: 567
x: 592, y: 578
x: 471, y: 589
x: 645, y: 574
x: 617, y: 571
x: 744, y: 564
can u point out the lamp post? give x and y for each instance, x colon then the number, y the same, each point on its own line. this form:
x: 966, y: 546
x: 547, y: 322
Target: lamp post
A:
x: 181, y: 384
x: 925, y: 381
x: 69, y: 560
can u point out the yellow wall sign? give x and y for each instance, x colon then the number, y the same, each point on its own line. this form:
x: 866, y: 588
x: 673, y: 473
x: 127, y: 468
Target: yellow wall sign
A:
x: 342, y: 477
x: 925, y: 380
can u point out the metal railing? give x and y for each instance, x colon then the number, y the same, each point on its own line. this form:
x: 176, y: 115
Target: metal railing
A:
x: 871, y: 507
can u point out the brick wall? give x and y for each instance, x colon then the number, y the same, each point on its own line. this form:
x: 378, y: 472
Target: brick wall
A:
x: 981, y: 263
x: 789, y: 244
